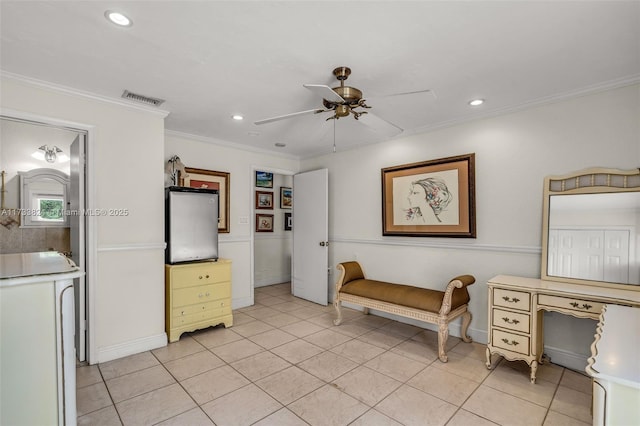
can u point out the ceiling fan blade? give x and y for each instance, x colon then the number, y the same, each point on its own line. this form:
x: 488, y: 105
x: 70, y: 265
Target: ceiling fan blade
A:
x: 282, y: 117
x: 379, y: 125
x: 325, y: 92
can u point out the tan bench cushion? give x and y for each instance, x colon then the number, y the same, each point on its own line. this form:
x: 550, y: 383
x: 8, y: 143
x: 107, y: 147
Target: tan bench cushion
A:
x: 405, y: 295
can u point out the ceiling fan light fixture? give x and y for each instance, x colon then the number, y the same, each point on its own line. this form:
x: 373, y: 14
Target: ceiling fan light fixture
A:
x: 342, y: 111
x: 237, y: 117
x: 476, y: 102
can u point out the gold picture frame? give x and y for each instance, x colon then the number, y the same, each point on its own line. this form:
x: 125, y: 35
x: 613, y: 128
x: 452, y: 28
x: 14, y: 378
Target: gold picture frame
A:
x: 201, y: 178
x: 434, y: 198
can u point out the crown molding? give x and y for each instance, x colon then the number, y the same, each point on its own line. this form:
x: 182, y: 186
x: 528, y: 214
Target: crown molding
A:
x: 227, y: 144
x: 546, y: 100
x: 53, y: 87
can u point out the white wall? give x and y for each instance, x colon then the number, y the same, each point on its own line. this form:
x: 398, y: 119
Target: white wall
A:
x: 272, y: 250
x: 212, y: 154
x: 125, y: 171
x: 128, y: 148
x: 514, y: 152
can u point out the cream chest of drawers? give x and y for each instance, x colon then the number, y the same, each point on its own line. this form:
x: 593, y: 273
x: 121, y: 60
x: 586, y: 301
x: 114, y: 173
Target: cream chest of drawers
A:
x: 197, y: 295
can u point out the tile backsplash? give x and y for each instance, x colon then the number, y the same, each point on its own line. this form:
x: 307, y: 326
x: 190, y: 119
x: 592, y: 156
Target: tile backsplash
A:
x: 26, y: 240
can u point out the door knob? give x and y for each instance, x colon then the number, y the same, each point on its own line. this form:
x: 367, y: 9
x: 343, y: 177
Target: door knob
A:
x: 324, y: 243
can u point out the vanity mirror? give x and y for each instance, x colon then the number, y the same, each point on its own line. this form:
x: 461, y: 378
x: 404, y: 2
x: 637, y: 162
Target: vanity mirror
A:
x: 44, y: 195
x: 591, y: 228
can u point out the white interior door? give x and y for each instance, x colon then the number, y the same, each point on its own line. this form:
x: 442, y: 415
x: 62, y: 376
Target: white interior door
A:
x: 311, y: 236
x: 77, y: 235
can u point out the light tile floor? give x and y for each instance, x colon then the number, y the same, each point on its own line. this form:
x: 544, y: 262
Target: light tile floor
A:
x: 285, y: 363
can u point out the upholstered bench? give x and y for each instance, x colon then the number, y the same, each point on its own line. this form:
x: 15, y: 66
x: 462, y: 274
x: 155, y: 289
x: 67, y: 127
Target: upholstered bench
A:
x: 432, y: 306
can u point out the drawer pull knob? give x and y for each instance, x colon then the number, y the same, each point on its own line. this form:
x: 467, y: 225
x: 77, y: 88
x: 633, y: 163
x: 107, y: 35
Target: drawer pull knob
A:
x: 182, y: 313
x: 510, y: 321
x: 200, y: 277
x: 510, y: 300
x: 584, y: 306
x: 207, y: 276
x: 510, y: 343
x: 208, y: 294
x: 200, y: 295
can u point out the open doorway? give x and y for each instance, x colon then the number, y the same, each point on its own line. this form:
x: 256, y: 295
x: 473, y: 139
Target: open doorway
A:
x: 272, y: 226
x: 31, y: 152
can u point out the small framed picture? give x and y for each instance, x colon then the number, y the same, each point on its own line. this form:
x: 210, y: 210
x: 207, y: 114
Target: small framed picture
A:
x: 264, y: 222
x: 288, y: 222
x: 286, y: 197
x: 264, y: 179
x: 264, y: 200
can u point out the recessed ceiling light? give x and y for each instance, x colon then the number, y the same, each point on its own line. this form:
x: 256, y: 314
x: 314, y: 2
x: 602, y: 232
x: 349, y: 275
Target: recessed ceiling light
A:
x: 280, y: 144
x: 237, y: 117
x: 476, y: 102
x: 118, y: 18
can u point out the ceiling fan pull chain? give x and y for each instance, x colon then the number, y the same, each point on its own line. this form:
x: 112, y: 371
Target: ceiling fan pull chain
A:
x: 334, y: 136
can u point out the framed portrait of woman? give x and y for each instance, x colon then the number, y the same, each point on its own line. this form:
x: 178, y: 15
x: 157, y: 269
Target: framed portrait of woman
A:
x: 434, y: 198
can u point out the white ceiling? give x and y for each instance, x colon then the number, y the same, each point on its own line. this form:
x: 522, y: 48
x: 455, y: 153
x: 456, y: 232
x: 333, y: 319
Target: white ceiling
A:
x: 212, y: 59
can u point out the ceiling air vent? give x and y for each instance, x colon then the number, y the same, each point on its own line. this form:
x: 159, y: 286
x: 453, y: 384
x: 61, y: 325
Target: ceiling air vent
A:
x: 142, y: 99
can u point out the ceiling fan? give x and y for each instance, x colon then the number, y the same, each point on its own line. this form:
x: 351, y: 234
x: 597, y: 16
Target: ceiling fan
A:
x: 343, y: 101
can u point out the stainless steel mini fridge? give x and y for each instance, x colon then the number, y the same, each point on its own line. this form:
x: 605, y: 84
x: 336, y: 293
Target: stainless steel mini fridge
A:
x: 191, y: 224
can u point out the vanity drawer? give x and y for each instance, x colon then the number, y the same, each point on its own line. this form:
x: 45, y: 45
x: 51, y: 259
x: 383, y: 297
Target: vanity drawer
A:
x: 510, y: 341
x: 207, y: 273
x: 512, y: 299
x: 201, y: 294
x: 571, y: 304
x: 511, y: 320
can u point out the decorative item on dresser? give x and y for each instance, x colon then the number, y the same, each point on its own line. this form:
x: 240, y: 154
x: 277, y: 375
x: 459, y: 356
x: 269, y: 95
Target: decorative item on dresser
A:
x: 198, y: 295
x: 599, y: 205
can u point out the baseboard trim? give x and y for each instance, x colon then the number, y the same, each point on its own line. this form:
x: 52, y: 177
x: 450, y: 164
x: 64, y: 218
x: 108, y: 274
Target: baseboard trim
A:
x: 241, y: 302
x: 562, y: 357
x: 132, y: 347
x: 272, y: 281
x: 571, y: 360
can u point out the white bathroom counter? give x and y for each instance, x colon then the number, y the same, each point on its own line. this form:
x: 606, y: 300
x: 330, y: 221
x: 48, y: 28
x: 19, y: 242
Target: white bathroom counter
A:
x: 36, y: 266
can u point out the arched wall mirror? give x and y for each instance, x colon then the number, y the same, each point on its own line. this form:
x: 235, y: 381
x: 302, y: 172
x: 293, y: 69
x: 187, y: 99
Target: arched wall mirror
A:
x: 591, y: 228
x: 44, y: 194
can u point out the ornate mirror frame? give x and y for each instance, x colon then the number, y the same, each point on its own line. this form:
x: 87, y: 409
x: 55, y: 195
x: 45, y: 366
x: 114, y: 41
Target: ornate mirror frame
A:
x: 588, y: 181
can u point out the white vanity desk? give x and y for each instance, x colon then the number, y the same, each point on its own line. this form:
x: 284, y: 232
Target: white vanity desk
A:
x: 590, y: 258
x: 516, y: 310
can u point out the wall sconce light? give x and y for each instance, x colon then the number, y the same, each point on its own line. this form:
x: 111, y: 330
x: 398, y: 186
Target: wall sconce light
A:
x: 173, y: 166
x: 50, y: 154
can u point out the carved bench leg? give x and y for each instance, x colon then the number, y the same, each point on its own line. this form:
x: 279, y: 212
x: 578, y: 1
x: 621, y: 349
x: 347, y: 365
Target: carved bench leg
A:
x: 443, y: 335
x: 338, y: 305
x: 466, y: 320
